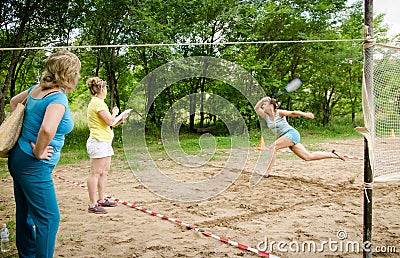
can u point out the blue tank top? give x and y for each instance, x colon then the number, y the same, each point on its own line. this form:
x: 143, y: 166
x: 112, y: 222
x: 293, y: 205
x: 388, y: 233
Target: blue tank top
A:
x: 34, y: 114
x: 279, y: 125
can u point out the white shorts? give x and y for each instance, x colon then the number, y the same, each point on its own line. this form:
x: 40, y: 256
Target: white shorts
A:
x: 98, y: 149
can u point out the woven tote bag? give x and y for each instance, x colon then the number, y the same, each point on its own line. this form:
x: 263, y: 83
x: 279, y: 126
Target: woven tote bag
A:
x: 10, y: 129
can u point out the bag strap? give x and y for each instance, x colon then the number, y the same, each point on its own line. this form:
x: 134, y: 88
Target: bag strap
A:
x: 49, y: 93
x: 25, y: 100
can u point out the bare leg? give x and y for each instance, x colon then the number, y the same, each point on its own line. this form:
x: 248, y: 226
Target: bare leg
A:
x: 97, y: 178
x: 102, y: 184
x: 281, y: 143
x: 304, y: 154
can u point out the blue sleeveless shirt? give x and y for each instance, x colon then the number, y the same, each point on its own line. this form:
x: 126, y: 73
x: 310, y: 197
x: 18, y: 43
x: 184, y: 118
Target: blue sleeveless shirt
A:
x: 34, y: 114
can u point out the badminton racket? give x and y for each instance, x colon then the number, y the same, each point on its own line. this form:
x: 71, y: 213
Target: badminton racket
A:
x: 290, y: 87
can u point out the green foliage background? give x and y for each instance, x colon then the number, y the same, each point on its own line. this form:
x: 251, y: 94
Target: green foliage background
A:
x: 331, y: 70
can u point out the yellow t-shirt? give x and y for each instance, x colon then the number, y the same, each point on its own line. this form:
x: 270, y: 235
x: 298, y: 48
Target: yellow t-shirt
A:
x: 99, y: 130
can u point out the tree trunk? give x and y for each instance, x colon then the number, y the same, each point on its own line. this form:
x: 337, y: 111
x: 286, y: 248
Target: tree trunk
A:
x: 202, y: 98
x: 11, y: 69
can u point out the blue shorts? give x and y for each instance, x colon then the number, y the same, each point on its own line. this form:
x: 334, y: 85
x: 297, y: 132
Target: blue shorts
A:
x: 293, y: 135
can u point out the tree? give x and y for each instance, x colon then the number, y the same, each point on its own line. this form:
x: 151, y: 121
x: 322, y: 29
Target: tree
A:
x: 31, y: 23
x: 330, y: 72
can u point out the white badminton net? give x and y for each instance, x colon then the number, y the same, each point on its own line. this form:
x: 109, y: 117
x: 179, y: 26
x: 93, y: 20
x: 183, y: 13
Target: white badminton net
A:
x: 381, y: 107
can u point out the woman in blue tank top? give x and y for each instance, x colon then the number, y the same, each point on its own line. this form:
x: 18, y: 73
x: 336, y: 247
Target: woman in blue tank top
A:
x: 32, y: 160
x: 267, y: 108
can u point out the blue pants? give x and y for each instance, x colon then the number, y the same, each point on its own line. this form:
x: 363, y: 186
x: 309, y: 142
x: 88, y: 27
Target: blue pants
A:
x: 37, y: 213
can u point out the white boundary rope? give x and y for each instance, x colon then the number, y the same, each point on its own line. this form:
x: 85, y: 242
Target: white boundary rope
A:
x: 183, y: 44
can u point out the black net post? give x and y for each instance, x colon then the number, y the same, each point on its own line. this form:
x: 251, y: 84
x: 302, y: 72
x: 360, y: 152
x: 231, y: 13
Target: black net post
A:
x: 367, y: 228
x: 368, y: 175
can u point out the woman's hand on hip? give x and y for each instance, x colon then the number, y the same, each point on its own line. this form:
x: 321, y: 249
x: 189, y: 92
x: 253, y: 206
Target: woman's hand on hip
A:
x: 46, y: 154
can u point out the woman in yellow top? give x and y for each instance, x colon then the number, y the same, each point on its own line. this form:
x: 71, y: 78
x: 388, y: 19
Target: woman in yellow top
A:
x: 99, y: 145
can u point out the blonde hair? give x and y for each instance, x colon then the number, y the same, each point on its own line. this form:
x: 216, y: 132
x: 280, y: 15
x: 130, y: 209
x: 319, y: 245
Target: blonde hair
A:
x: 61, y: 70
x: 95, y: 85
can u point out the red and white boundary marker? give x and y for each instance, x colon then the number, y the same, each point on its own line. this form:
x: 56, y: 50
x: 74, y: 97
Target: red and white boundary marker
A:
x: 176, y: 221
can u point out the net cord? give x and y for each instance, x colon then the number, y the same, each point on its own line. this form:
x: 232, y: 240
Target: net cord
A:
x: 366, y: 187
x: 180, y: 44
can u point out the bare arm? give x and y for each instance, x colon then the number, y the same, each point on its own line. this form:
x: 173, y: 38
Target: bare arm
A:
x: 51, y: 120
x: 124, y: 117
x: 17, y: 99
x: 259, y: 107
x: 296, y: 113
x: 107, y: 117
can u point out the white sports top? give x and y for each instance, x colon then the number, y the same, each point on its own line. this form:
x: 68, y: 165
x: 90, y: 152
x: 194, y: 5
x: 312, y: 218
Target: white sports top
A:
x: 279, y: 125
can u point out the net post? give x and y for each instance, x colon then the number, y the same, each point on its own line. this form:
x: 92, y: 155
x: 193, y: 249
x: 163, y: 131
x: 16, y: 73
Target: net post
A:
x: 367, y: 223
x: 368, y: 174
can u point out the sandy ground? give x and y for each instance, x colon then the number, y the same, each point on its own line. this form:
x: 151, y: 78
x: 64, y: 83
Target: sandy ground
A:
x: 316, y: 205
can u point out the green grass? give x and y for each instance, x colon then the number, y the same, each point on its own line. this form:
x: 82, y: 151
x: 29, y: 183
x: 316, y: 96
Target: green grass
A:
x: 75, y: 144
x: 71, y: 238
x: 74, y: 150
x: 3, y: 169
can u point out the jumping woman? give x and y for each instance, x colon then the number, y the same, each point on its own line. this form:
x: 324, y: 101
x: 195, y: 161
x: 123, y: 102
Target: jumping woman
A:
x: 288, y: 136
